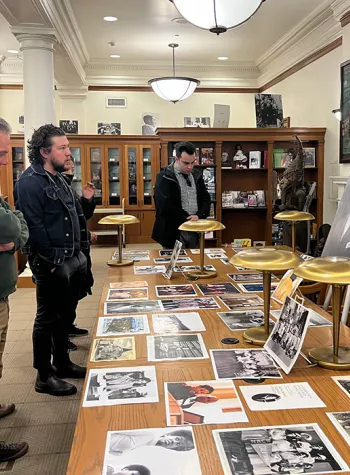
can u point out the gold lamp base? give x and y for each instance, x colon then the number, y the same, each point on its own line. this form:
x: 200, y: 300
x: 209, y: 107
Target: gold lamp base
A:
x: 114, y: 263
x: 206, y: 274
x: 256, y: 336
x: 325, y: 357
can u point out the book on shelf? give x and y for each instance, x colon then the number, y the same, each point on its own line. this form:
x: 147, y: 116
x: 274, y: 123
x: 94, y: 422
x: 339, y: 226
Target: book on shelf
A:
x: 244, y: 199
x: 226, y: 162
x: 245, y: 242
x: 277, y: 157
x: 266, y: 159
x: 209, y: 181
x: 207, y: 156
x: 255, y: 159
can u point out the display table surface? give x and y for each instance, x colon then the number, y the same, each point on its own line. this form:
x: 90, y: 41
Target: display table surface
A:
x: 88, y: 449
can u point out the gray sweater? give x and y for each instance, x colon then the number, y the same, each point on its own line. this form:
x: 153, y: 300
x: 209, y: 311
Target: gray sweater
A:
x: 13, y: 228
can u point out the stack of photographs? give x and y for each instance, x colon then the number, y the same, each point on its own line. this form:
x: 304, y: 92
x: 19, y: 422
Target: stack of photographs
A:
x: 113, y: 349
x: 140, y: 293
x: 128, y: 325
x: 243, y: 320
x: 204, y: 303
x: 132, y: 306
x: 177, y: 322
x: 139, y: 270
x: 184, y: 290
x: 241, y: 302
x: 218, y: 288
x: 176, y: 347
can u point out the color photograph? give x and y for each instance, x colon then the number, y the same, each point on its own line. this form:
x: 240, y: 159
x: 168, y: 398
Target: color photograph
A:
x: 255, y: 287
x: 185, y: 290
x: 136, y: 284
x: 113, y: 349
x: 176, y: 347
x: 135, y: 306
x: 238, y: 302
x: 177, y: 322
x: 286, y: 287
x: 127, y: 294
x: 128, y: 325
x: 217, y: 288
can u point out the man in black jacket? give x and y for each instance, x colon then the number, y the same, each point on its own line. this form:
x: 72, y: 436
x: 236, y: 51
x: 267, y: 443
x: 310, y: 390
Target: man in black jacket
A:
x: 180, y: 195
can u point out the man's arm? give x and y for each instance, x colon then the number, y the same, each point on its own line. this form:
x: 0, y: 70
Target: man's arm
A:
x: 88, y: 206
x: 24, y: 235
x: 10, y: 226
x: 203, y: 200
x: 165, y: 203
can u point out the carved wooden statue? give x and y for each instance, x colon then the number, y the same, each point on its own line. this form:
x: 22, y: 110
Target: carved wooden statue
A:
x: 293, y: 194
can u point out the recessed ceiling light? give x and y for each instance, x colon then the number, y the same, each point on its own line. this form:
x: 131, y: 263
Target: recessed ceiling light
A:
x: 14, y: 51
x: 110, y: 18
x: 223, y: 58
x: 114, y: 56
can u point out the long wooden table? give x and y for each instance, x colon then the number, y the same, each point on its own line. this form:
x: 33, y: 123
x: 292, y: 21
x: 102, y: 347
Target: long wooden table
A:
x: 87, y: 452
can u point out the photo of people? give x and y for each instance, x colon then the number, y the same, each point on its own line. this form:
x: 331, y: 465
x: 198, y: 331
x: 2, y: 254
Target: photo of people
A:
x: 113, y: 128
x: 173, y: 259
x: 243, y: 364
x: 113, y: 386
x: 128, y: 294
x: 316, y: 320
x: 113, y: 349
x: 192, y: 268
x: 138, y: 270
x: 202, y: 402
x: 151, y: 120
x: 134, y: 306
x: 255, y: 287
x: 177, y: 322
x: 205, y: 303
x: 287, y: 336
x: 243, y: 320
x: 176, y: 347
x: 343, y: 382
x: 241, y: 302
x: 136, y: 284
x: 185, y: 290
x: 169, y: 451
x: 286, y: 449
x: 114, y: 326
x: 168, y: 252
x: 218, y: 255
x: 269, y: 111
x: 287, y: 287
x: 218, y: 288
x: 341, y: 420
x: 197, y: 122
x: 249, y: 277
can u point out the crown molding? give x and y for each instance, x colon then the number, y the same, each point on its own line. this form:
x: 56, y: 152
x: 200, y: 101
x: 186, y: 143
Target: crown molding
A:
x: 341, y: 8
x: 72, y: 92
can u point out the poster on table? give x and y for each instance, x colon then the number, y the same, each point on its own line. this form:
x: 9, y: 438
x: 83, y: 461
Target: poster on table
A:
x: 115, y: 386
x: 286, y: 287
x: 269, y: 450
x: 177, y: 322
x: 176, y: 347
x: 128, y: 325
x: 140, y: 293
x: 196, y: 303
x: 202, y: 402
x: 113, y: 349
x: 180, y: 290
x: 218, y: 288
x: 135, y: 306
x: 341, y: 421
x: 243, y: 320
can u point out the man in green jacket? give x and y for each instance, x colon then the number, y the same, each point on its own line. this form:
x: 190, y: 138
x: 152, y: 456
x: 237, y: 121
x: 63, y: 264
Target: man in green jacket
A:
x: 13, y: 236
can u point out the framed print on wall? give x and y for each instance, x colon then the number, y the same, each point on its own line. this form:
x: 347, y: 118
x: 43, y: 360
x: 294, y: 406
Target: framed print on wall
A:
x: 345, y: 113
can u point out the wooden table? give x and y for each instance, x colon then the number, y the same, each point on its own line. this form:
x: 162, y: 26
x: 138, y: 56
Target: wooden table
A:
x: 87, y: 453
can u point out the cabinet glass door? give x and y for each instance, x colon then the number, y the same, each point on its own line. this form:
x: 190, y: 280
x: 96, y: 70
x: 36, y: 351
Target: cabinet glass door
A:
x: 132, y: 176
x: 77, y: 179
x: 114, y: 176
x: 17, y: 163
x: 147, y: 176
x: 96, y: 172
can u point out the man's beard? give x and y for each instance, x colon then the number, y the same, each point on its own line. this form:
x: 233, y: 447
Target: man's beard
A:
x: 58, y: 167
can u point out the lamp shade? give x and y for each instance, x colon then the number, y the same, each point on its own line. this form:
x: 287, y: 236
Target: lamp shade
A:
x: 174, y: 89
x: 202, y: 226
x: 119, y: 219
x: 327, y: 270
x: 217, y: 16
x: 266, y: 259
x: 294, y: 215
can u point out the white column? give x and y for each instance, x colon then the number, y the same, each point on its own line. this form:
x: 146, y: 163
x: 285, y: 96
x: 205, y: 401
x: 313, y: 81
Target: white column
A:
x: 37, y: 47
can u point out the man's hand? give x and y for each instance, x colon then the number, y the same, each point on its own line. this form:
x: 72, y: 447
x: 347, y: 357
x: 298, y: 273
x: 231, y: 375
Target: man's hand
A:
x: 93, y: 238
x: 193, y: 218
x: 88, y: 191
x: 7, y: 247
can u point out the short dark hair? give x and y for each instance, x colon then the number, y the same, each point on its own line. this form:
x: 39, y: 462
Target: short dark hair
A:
x: 139, y: 468
x: 42, y: 138
x: 187, y: 435
x: 210, y: 389
x: 187, y: 147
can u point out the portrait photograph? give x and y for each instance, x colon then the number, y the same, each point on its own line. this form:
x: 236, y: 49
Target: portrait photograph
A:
x: 269, y: 110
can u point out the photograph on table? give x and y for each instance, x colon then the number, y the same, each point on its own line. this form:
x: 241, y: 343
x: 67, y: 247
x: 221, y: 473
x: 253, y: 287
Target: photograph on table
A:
x: 132, y: 257
x: 113, y: 349
x: 275, y: 397
x: 244, y: 364
x: 244, y: 319
x: 290, y: 449
x: 316, y: 319
x: 180, y: 290
x: 168, y: 252
x: 341, y: 421
x: 218, y: 288
x: 202, y: 402
x: 128, y: 294
x: 177, y: 322
x: 209, y: 250
x: 112, y: 386
x: 128, y: 285
x: 166, y: 260
x: 239, y: 302
x: 192, y: 268
x: 138, y: 270
x: 135, y: 306
x: 170, y: 451
x: 287, y: 286
x: 287, y: 336
x: 128, y: 325
x: 259, y: 287
x: 343, y: 382
x: 176, y: 347
x: 173, y: 259
x: 248, y: 277
x: 225, y: 261
x: 218, y: 255
x: 204, y: 303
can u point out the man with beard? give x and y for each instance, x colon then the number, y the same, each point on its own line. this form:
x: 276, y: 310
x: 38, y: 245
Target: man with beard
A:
x: 57, y: 237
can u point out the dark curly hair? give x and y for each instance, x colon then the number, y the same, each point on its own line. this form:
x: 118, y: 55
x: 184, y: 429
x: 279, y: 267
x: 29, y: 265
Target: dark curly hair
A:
x: 42, y: 138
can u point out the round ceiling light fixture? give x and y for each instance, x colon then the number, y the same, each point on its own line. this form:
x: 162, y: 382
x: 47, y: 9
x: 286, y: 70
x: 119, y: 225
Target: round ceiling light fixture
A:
x: 110, y: 18
x: 217, y: 16
x: 174, y: 88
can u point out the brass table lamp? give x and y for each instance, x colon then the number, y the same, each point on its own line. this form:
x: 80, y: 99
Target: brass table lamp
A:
x: 334, y: 271
x: 294, y: 217
x: 202, y: 226
x: 266, y: 260
x: 119, y: 220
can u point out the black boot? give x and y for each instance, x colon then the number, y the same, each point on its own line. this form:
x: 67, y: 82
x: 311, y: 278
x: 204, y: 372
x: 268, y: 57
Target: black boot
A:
x: 74, y: 331
x: 54, y: 386
x: 12, y: 451
x: 70, y: 370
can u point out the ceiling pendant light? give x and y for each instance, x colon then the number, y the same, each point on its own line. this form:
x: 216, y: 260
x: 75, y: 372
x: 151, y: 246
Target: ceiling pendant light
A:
x: 217, y: 16
x: 175, y: 88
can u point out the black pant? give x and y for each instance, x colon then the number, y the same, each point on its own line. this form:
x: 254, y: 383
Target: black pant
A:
x: 57, y: 295
x: 190, y: 240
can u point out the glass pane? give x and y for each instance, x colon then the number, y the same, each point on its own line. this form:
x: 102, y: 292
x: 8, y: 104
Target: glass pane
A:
x: 77, y: 179
x: 114, y: 176
x: 132, y: 176
x: 147, y: 176
x: 17, y: 163
x: 96, y: 172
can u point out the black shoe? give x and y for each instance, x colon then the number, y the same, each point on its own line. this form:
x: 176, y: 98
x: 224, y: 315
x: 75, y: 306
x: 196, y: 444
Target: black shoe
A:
x: 6, y: 409
x: 71, y: 346
x: 74, y: 331
x: 54, y: 386
x: 12, y: 451
x: 71, y: 371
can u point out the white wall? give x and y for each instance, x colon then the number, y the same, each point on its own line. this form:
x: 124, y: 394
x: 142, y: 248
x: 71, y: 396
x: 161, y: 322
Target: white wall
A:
x: 11, y: 107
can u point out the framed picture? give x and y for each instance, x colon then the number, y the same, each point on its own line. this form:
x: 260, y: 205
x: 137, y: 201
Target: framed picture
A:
x: 69, y: 126
x: 255, y: 159
x: 310, y: 157
x: 203, y: 122
x: 252, y: 202
x: 345, y: 113
x: 269, y: 111
x: 286, y: 122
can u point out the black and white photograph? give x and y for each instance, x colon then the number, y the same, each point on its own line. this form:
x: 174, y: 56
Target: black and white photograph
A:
x: 115, y: 326
x: 192, y: 268
x: 241, y: 302
x: 170, y: 451
x: 255, y: 159
x: 166, y: 260
x: 209, y: 250
x: 132, y: 257
x: 269, y: 110
x: 260, y: 198
x: 218, y: 288
x: 255, y: 287
x: 113, y: 349
x: 176, y: 347
x: 180, y: 290
x: 275, y: 397
x: 203, y: 122
x: 135, y: 306
x: 243, y: 320
x: 310, y: 157
x: 109, y: 128
x: 316, y: 319
x: 144, y: 270
x: 225, y: 261
x: 341, y: 421
x: 290, y: 449
x: 218, y: 255
x: 287, y: 336
x: 127, y: 294
x: 69, y: 126
x: 194, y: 303
x: 258, y: 277
x: 177, y: 322
x: 343, y: 382
x: 150, y: 122
x: 114, y: 386
x: 169, y: 252
x: 244, y: 364
x: 173, y: 259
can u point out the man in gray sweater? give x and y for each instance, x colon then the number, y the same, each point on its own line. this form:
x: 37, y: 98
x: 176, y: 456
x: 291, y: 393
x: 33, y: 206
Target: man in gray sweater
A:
x: 13, y: 236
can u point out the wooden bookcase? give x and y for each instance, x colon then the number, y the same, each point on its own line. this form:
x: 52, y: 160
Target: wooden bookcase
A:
x: 253, y: 223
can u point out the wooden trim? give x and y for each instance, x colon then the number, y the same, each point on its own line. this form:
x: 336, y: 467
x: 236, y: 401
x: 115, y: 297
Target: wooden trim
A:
x: 217, y: 90
x: 302, y: 64
x: 345, y: 19
x: 13, y: 87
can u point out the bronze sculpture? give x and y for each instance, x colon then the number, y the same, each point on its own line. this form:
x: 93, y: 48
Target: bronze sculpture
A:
x: 293, y: 194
